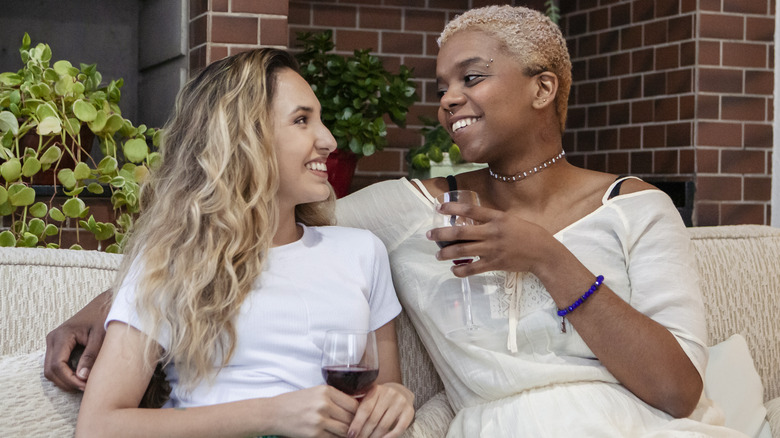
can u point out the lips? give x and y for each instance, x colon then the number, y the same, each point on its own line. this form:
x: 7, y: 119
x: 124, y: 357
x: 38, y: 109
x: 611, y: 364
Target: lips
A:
x: 462, y: 123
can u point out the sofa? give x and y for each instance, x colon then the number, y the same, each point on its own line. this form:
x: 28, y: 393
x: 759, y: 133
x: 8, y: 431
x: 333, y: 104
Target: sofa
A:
x: 739, y: 268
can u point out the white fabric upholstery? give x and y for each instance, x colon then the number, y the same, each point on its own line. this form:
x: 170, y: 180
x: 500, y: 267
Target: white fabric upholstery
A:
x: 739, y: 266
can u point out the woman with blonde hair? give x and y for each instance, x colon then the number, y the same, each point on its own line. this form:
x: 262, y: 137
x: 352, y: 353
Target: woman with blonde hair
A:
x: 231, y: 276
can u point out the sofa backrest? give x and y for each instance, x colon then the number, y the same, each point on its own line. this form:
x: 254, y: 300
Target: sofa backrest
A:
x: 739, y: 270
x: 41, y: 288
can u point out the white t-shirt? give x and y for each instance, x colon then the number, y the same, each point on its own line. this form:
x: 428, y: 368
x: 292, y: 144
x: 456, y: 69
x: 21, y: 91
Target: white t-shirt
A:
x: 331, y: 278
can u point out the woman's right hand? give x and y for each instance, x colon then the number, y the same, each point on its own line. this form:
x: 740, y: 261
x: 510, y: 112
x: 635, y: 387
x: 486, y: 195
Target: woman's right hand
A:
x: 85, y: 328
x: 321, y: 411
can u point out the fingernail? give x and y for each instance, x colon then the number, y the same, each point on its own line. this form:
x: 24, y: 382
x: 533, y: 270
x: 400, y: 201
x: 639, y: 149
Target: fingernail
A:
x: 83, y: 373
x: 428, y: 234
x: 351, y: 434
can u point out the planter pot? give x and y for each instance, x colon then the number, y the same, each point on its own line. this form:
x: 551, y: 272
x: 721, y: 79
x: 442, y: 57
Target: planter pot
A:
x: 341, y: 168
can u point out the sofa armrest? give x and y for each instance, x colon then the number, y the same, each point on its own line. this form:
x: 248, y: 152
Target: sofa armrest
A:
x: 432, y: 420
x: 773, y: 416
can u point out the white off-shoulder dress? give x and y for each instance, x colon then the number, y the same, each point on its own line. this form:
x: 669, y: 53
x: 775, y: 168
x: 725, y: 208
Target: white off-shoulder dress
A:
x: 552, y: 385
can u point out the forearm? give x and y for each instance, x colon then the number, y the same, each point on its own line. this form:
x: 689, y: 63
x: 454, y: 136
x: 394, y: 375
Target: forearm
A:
x: 642, y: 354
x: 238, y: 419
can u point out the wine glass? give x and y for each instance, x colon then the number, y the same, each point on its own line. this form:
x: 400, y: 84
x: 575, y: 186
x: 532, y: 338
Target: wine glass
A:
x: 350, y: 362
x: 445, y: 220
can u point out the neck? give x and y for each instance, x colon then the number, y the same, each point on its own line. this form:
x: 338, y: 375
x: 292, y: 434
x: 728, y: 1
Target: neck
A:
x: 288, y: 230
x: 529, y: 172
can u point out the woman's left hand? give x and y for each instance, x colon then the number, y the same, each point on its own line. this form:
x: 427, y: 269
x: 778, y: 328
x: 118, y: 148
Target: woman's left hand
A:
x: 385, y: 411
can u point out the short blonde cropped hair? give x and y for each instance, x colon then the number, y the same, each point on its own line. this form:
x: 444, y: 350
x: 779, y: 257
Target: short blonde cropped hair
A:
x: 529, y: 36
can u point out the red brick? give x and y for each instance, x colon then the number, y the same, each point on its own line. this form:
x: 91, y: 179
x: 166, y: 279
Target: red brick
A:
x: 424, y: 20
x: 631, y: 37
x: 719, y: 134
x: 270, y: 7
x: 745, y: 7
x: 758, y: 188
x: 390, y: 62
x: 688, y: 53
x: 598, y: 19
x: 597, y: 162
x: 641, y: 162
x: 431, y: 46
x: 430, y: 92
x: 654, y: 84
x: 617, y: 163
x: 681, y: 28
x: 760, y: 29
x: 449, y: 4
x: 743, y: 161
x: 665, y: 162
x: 620, y: 15
x: 217, y: 52
x: 667, y: 57
x: 709, y: 107
x: 665, y: 109
x: 576, y: 118
x: 299, y: 13
x: 630, y: 137
x: 709, y: 53
x: 643, y: 10
x: 719, y: 188
x: 587, y: 93
x: 403, y: 137
x: 641, y: 111
x: 198, y: 59
x: 619, y: 114
x: 679, y: 134
x: 587, y: 45
x: 687, y: 6
x: 758, y: 135
x: 679, y: 81
x: 350, y: 40
x: 666, y: 8
x: 719, y: 26
x: 759, y: 82
x: 743, y: 108
x: 687, y: 161
x: 597, y: 116
x: 273, y: 31
x: 687, y: 107
x: 745, y: 55
x: 653, y: 136
x: 380, y: 18
x: 706, y: 214
x: 198, y: 7
x: 198, y: 31
x: 598, y: 67
x: 382, y: 161
x: 720, y: 80
x: 656, y: 32
x: 401, y: 42
x: 220, y: 6
x: 234, y: 30
x: 608, y: 139
x: 586, y: 141
x: 334, y: 16
x: 608, y: 90
x: 707, y: 160
x: 619, y: 64
x: 710, y: 5
x: 609, y: 42
x: 642, y: 60
x: 742, y: 213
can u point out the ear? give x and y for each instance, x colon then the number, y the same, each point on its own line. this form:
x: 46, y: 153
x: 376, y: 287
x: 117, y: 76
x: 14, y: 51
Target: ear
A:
x: 546, y: 89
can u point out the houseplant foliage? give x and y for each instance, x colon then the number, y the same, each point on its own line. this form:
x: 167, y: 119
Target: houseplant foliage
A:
x: 437, y: 143
x: 49, y: 115
x: 355, y: 92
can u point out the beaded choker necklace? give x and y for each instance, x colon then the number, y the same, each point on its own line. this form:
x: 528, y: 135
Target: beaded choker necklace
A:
x: 523, y: 175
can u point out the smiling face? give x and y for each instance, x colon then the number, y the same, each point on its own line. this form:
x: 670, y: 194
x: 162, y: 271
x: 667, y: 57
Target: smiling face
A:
x: 302, y: 143
x: 485, y: 98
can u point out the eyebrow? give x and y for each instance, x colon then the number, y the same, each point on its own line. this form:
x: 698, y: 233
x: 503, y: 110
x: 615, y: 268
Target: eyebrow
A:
x: 465, y: 63
x: 303, y: 108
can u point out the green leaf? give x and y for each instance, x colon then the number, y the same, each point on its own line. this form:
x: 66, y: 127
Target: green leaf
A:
x: 118, y: 182
x: 56, y: 214
x: 51, y: 230
x: 29, y: 240
x: 99, y: 123
x: 51, y: 155
x: 11, y: 170
x: 75, y: 192
x: 45, y: 110
x: 113, y: 124
x: 95, y: 188
x: 74, y: 208
x: 39, y: 209
x: 67, y: 178
x: 31, y: 167
x: 84, y: 111
x: 22, y: 198
x: 37, y: 227
x: 7, y: 239
x: 3, y: 195
x: 8, y: 123
x: 65, y: 68
x: 421, y: 161
x: 136, y: 150
x: 107, y: 165
x: 10, y: 79
x: 455, y: 156
x: 435, y: 154
x: 112, y: 249
x: 49, y: 126
x: 76, y: 246
x: 82, y: 171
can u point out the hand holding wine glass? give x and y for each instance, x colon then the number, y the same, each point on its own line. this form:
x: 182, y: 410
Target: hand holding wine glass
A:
x: 350, y: 362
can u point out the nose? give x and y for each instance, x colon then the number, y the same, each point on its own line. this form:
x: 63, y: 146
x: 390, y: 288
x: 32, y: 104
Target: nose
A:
x: 325, y: 140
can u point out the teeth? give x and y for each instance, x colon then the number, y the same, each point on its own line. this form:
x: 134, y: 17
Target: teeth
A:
x: 317, y: 166
x: 462, y: 123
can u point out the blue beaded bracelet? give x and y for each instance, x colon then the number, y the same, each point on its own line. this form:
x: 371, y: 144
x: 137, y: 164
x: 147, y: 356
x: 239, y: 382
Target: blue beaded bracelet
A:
x: 566, y: 310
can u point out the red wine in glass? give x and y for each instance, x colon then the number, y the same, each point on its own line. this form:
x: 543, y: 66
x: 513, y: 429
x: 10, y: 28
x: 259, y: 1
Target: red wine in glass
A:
x: 350, y: 361
x: 446, y: 243
x: 351, y: 380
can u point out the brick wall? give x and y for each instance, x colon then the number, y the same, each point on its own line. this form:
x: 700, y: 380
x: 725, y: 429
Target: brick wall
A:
x: 674, y: 91
x: 677, y: 91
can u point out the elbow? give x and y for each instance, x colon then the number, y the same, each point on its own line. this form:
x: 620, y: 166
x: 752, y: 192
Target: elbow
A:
x: 681, y: 401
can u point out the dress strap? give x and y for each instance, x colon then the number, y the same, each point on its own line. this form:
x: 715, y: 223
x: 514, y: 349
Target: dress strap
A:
x: 614, y: 188
x: 452, y: 182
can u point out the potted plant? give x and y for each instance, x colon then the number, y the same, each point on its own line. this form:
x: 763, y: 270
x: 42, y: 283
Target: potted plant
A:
x: 356, y: 93
x: 438, y: 156
x: 49, y: 116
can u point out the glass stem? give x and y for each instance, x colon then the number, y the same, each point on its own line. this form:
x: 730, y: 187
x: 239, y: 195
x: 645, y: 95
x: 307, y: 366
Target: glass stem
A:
x: 466, y: 289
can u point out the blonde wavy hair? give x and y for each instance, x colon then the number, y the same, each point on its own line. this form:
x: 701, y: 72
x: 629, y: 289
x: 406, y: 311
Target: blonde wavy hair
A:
x: 529, y: 36
x: 209, y: 213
